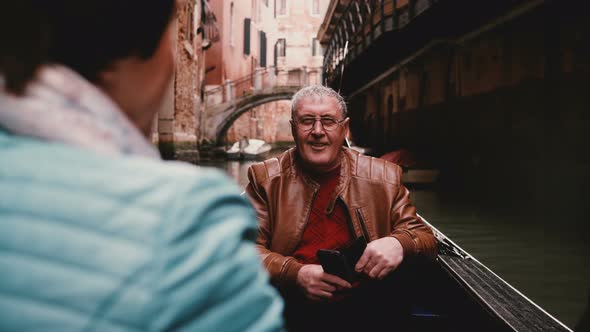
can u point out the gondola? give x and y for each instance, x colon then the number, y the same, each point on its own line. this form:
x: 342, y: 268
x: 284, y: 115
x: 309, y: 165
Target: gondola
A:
x: 458, y: 293
x: 455, y: 292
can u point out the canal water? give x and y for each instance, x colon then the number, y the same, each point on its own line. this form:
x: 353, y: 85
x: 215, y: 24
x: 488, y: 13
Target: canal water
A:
x: 548, y: 263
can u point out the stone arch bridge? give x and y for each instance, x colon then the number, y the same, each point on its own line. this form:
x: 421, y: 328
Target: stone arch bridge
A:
x: 223, y: 107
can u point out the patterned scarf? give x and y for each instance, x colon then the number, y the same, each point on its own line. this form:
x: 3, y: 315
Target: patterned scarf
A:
x: 62, y: 106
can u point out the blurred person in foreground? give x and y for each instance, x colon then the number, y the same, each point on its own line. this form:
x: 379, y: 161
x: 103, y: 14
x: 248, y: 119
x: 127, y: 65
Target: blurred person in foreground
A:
x: 321, y: 195
x: 96, y: 232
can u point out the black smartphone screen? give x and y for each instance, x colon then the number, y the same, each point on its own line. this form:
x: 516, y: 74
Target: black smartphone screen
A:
x: 335, y: 263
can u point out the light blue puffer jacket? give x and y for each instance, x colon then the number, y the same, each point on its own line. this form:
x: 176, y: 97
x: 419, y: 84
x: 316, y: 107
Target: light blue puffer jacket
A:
x: 95, y: 243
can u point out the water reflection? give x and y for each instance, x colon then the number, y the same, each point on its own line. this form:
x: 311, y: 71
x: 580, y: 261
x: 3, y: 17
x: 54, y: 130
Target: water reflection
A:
x: 238, y: 169
x: 548, y: 264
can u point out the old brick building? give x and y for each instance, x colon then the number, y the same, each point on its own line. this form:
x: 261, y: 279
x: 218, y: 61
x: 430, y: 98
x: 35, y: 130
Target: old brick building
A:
x: 177, y: 124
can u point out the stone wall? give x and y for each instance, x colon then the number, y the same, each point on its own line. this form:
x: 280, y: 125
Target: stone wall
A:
x: 177, y: 120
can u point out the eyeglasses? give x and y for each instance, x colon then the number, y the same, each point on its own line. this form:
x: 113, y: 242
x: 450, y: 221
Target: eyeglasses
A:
x: 307, y: 123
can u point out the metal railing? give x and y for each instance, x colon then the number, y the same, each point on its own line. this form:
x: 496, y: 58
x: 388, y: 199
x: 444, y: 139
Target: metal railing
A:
x: 261, y: 79
x: 363, y: 21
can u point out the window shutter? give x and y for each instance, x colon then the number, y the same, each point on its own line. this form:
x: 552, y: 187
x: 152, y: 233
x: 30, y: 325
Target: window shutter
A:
x: 262, y: 49
x: 247, y: 36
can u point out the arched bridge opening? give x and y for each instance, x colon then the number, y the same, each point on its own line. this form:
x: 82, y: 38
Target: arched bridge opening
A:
x: 248, y: 105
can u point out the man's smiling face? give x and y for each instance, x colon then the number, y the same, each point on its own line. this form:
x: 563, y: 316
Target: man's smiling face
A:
x: 318, y: 148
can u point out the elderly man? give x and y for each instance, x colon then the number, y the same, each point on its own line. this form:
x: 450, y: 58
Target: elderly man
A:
x: 320, y: 195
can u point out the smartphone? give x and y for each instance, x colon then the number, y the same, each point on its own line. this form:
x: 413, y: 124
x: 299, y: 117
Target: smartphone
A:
x: 354, y: 251
x: 334, y: 262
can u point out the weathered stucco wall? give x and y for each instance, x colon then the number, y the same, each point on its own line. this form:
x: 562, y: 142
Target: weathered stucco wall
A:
x: 269, y: 122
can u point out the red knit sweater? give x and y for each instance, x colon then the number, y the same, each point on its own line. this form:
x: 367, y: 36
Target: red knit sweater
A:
x: 323, y: 231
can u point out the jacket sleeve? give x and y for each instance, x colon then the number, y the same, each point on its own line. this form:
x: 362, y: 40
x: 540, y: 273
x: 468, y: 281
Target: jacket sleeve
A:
x: 283, y: 270
x: 209, y: 273
x: 414, y: 235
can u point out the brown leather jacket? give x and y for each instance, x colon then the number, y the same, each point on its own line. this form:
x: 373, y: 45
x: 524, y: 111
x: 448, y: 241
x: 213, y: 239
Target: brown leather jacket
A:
x: 378, y: 205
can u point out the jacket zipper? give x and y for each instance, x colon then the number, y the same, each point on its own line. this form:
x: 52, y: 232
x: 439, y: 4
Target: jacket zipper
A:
x: 348, y: 218
x: 363, y: 226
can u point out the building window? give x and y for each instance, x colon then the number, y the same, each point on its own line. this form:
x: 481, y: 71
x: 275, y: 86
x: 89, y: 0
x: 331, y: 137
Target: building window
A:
x: 280, y: 50
x: 231, y: 24
x: 280, y: 7
x: 281, y: 47
x: 316, y: 47
x: 256, y: 11
x: 315, y: 7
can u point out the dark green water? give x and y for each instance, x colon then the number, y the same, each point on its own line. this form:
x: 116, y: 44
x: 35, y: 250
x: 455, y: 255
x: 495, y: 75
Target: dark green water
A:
x: 546, y: 261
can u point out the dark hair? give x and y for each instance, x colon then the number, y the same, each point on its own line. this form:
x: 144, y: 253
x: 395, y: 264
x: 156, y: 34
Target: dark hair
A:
x: 84, y: 35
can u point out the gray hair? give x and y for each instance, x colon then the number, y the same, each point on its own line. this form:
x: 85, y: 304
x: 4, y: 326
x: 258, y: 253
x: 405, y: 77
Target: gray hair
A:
x: 317, y: 91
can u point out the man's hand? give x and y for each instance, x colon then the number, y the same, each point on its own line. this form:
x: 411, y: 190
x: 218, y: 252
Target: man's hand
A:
x: 317, y: 284
x: 381, y: 257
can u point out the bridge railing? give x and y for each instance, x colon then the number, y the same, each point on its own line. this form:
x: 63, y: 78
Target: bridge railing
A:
x: 242, y: 86
x: 259, y: 80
